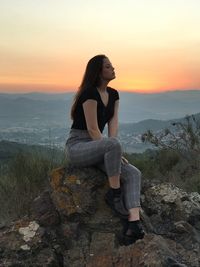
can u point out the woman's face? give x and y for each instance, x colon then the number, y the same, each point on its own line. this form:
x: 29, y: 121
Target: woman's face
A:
x: 107, y: 73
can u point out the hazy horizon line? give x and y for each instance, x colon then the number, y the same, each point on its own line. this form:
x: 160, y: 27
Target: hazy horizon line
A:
x: 120, y: 90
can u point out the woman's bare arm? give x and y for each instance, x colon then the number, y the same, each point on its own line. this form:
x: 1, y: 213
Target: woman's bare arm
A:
x: 113, y: 123
x: 113, y: 126
x: 90, y: 112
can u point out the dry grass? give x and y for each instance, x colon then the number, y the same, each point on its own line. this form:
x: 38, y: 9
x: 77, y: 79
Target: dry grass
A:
x: 23, y: 179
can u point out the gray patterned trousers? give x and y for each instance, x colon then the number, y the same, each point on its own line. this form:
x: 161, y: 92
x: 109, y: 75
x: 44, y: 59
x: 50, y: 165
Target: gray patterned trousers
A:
x: 105, y: 154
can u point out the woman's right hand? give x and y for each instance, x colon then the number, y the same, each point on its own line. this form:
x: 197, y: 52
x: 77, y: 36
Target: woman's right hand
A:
x: 124, y: 160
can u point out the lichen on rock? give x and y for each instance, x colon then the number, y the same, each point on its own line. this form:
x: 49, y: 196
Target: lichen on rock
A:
x: 29, y: 231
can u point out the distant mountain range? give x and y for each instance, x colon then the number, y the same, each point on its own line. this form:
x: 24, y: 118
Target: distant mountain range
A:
x: 154, y: 125
x: 34, y: 109
x: 54, y: 109
x: 129, y: 134
x: 160, y: 106
x: 24, y: 138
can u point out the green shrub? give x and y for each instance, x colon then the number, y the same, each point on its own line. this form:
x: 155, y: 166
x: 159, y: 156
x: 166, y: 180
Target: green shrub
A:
x: 167, y: 165
x: 179, y: 155
x: 145, y: 162
x: 166, y: 159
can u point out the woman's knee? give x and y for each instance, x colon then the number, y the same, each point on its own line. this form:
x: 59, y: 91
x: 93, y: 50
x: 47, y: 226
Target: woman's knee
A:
x: 114, y: 143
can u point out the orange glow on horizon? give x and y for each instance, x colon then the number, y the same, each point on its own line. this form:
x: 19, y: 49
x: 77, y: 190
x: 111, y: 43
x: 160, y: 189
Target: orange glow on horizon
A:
x: 45, y: 45
x: 54, y: 88
x: 140, y: 81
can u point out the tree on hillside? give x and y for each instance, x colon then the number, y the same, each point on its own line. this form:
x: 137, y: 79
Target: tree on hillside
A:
x: 182, y: 137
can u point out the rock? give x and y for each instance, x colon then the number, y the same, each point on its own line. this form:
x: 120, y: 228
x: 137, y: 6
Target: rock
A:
x: 29, y: 232
x: 102, y: 243
x: 25, y: 247
x: 72, y: 226
x: 169, y: 202
x: 15, y: 250
x: 44, y: 211
x: 152, y: 251
x: 73, y: 190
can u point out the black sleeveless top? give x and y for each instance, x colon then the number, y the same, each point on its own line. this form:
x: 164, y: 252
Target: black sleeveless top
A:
x: 104, y: 113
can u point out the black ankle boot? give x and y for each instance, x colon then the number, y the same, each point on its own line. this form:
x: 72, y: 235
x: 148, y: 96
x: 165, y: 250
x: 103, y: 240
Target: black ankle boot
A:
x: 116, y: 203
x: 133, y: 232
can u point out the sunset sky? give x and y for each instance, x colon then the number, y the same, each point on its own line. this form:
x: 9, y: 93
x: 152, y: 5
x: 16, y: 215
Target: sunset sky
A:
x: 154, y: 45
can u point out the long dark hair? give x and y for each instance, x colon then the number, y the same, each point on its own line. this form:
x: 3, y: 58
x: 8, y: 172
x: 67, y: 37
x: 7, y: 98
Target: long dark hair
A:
x: 91, y: 78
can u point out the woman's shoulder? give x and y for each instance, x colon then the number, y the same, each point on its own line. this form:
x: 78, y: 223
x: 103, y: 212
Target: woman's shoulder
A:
x: 89, y: 93
x: 113, y: 92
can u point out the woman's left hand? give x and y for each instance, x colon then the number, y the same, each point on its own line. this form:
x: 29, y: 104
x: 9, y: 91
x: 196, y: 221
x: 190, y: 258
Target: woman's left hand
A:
x: 124, y: 160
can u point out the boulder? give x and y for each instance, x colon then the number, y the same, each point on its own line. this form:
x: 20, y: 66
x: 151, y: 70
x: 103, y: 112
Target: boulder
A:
x: 72, y: 226
x: 44, y: 211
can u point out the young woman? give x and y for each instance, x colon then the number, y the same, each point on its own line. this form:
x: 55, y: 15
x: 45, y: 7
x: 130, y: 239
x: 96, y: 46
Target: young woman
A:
x: 95, y: 105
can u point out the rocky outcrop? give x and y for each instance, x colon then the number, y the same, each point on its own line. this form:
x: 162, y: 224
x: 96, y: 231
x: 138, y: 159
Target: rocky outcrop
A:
x: 71, y: 226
